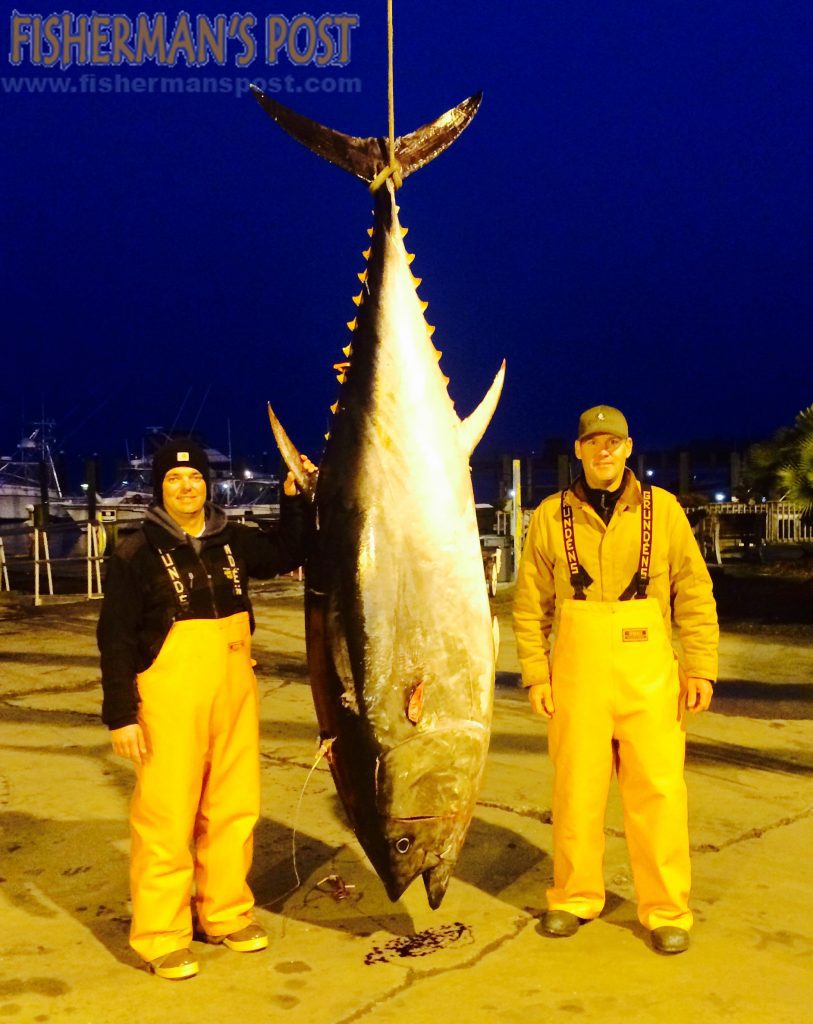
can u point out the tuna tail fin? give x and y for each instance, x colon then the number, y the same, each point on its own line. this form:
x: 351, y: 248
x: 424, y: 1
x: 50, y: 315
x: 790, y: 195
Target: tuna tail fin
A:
x: 474, y: 426
x: 366, y: 158
x: 292, y: 458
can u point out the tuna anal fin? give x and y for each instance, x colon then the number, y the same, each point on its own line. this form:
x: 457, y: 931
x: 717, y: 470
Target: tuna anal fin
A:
x: 474, y: 426
x: 306, y: 481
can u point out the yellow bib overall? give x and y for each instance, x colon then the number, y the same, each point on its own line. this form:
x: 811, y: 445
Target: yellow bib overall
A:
x: 197, y: 797
x: 616, y: 691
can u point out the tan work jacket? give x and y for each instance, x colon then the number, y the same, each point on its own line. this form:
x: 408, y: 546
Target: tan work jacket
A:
x: 679, y: 579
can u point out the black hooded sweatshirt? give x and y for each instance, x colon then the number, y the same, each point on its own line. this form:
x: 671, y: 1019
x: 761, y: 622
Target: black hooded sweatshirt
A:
x: 160, y: 575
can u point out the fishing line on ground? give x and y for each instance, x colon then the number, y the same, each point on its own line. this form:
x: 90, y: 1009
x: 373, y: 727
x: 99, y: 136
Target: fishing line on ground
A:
x: 324, y: 750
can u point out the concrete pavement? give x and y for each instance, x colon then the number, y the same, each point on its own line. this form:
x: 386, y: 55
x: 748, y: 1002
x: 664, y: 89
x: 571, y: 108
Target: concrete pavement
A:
x: 340, y: 951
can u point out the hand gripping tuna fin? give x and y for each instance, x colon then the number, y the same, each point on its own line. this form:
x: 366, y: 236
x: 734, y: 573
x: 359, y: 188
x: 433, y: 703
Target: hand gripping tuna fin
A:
x: 474, y: 426
x: 366, y: 158
x: 292, y: 458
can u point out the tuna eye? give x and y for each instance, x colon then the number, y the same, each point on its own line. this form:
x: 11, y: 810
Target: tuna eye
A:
x: 402, y: 844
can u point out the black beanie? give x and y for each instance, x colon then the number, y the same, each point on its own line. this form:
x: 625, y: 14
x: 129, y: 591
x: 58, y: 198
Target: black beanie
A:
x: 180, y: 452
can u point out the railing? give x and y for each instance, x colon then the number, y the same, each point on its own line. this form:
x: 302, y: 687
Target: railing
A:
x: 27, y: 561
x: 737, y: 526
x: 786, y: 522
x: 35, y: 560
x: 505, y: 519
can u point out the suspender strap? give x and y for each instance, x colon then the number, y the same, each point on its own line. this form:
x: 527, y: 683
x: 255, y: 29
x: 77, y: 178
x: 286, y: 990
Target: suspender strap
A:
x: 579, y: 577
x: 178, y: 585
x: 640, y: 581
x: 646, y: 542
x: 230, y: 570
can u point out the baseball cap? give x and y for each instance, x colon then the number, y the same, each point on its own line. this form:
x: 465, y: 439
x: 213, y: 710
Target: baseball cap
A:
x: 602, y: 419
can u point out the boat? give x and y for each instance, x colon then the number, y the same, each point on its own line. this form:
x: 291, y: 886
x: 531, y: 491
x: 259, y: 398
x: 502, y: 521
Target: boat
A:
x: 28, y: 477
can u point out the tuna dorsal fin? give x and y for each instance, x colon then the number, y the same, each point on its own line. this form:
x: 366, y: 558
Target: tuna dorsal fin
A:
x: 289, y: 453
x: 474, y: 426
x: 366, y: 157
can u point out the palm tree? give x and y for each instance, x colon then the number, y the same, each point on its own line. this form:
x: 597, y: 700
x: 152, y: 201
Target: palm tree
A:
x: 782, y: 468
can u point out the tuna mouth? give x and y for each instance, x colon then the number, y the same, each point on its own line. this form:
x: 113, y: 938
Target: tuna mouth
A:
x: 435, y: 882
x: 419, y: 847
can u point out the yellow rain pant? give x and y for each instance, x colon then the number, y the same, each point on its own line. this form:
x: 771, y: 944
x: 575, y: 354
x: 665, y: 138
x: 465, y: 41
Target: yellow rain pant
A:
x: 199, y: 789
x: 617, y: 697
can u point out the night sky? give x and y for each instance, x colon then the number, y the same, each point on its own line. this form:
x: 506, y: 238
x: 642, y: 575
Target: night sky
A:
x: 628, y: 220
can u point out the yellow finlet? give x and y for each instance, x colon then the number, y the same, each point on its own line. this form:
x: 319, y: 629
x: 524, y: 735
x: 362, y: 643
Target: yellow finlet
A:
x: 334, y: 408
x: 327, y: 436
x: 416, y: 280
x: 438, y: 354
x: 347, y: 350
x: 357, y: 298
x: 424, y: 306
x: 404, y: 231
x: 431, y: 328
x: 366, y: 253
x: 352, y: 324
x: 340, y: 377
x: 362, y: 276
x: 445, y: 380
x: 410, y: 256
x: 370, y: 232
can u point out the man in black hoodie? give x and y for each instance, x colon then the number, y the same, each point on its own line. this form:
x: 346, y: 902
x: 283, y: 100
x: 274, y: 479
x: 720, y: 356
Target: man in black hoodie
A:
x: 180, y: 700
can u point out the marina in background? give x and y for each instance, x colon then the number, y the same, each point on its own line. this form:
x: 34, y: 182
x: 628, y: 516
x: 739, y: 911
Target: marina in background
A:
x: 52, y: 541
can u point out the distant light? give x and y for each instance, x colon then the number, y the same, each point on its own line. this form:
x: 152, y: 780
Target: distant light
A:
x: 719, y: 496
x: 764, y: 499
x: 84, y: 487
x: 650, y: 472
x: 734, y: 497
x: 510, y: 494
x: 248, y: 475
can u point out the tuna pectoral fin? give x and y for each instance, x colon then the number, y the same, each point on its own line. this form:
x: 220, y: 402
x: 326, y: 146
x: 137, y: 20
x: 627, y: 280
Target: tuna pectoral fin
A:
x: 367, y: 157
x: 292, y: 458
x: 474, y: 426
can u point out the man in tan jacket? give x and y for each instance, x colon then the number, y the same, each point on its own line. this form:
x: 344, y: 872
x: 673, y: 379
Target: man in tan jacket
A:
x: 606, y: 565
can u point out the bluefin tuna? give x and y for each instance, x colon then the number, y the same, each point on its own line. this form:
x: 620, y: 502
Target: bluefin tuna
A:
x: 401, y: 647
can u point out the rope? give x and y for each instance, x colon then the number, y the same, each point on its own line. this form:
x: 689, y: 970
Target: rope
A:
x: 390, y: 84
x: 393, y: 170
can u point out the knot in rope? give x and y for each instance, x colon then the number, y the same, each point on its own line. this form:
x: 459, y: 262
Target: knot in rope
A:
x: 392, y: 170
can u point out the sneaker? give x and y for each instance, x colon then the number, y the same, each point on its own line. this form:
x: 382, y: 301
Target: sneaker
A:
x: 250, y: 939
x: 175, y: 966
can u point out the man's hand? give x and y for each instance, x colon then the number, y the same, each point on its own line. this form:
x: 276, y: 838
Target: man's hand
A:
x: 290, y: 486
x: 130, y: 742
x: 698, y: 694
x: 541, y: 697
